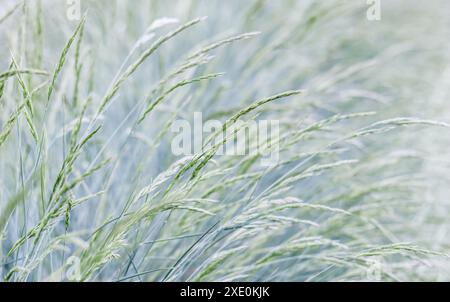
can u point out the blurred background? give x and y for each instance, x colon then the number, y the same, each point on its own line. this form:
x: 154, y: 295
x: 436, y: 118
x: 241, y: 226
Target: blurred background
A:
x: 397, y: 192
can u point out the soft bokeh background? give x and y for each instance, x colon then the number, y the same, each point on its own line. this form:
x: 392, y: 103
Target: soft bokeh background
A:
x: 397, y: 192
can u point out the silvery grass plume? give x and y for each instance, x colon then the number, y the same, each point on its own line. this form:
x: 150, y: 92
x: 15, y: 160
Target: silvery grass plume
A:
x: 91, y: 191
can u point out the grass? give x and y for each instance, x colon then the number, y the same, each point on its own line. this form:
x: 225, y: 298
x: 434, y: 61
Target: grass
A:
x: 89, y: 187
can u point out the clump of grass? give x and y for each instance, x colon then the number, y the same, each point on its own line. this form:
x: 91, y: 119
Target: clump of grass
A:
x: 87, y: 172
